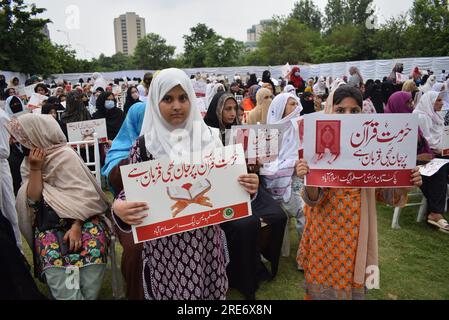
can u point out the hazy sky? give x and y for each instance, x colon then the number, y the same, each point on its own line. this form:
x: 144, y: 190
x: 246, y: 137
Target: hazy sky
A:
x: 94, y: 34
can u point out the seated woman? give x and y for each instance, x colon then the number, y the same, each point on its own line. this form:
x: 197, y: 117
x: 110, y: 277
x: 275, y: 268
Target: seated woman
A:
x: 200, y: 274
x: 435, y: 187
x: 132, y: 97
x: 61, y: 210
x: 51, y: 107
x: 279, y: 177
x: 245, y: 269
x: 107, y: 109
x: 336, y: 267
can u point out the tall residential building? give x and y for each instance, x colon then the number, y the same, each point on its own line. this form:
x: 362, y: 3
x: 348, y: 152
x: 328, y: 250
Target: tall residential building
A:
x: 128, y: 29
x: 253, y: 34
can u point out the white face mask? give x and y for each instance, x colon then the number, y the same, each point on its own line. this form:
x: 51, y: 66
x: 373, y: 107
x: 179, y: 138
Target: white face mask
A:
x: 109, y: 104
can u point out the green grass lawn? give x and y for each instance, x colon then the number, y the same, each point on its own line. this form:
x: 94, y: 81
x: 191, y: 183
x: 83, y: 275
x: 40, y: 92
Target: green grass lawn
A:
x: 414, y: 264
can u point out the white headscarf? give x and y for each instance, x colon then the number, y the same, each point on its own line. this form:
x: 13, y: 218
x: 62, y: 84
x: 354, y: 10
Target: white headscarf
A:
x: 142, y: 93
x: 290, y: 89
x: 320, y: 87
x: 290, y: 143
x: 444, y: 91
x: 429, y: 84
x: 430, y: 122
x: 162, y: 139
x: 211, y: 91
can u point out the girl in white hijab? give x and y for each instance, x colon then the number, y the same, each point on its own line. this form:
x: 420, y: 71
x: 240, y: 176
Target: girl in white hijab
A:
x: 278, y: 177
x: 430, y: 121
x: 190, y: 265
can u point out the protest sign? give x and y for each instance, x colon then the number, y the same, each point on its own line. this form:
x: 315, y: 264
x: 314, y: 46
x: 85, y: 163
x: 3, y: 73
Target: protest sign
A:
x: 199, y: 87
x: 261, y: 143
x: 36, y: 101
x: 369, y: 151
x: 184, y: 196
x: 84, y: 130
x: 429, y: 169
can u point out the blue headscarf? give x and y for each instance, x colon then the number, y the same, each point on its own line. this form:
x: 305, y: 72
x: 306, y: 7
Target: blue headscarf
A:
x: 125, y: 139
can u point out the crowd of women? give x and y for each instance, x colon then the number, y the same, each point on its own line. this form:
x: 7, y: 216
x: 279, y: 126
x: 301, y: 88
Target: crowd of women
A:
x: 50, y: 198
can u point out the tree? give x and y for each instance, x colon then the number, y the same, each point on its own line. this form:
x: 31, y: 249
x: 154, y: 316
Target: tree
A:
x: 21, y: 36
x: 335, y: 13
x: 358, y: 11
x: 306, y: 12
x: 430, y: 27
x: 195, y: 43
x: 223, y: 52
x: 341, y: 12
x: 153, y: 53
x: 287, y: 40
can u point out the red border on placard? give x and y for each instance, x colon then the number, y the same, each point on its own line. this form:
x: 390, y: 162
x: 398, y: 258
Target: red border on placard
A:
x: 153, y: 231
x: 331, y: 178
x: 445, y: 152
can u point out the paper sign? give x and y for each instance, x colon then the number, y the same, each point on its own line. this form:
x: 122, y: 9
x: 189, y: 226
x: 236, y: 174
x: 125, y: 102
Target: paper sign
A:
x: 84, y: 130
x: 184, y: 197
x: 444, y: 145
x: 432, y: 167
x: 261, y: 143
x: 199, y: 87
x: 369, y: 151
x: 400, y: 78
x: 29, y: 90
x: 36, y: 101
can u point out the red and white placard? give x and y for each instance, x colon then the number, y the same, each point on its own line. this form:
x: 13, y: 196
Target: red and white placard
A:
x: 369, y: 151
x: 184, y: 197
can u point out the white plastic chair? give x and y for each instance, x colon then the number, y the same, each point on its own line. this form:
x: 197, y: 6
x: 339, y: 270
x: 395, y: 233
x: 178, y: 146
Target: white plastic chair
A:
x: 77, y: 146
x: 239, y: 99
x: 60, y: 112
x: 422, y: 211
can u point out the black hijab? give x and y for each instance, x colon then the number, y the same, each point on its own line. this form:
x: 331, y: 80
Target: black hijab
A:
x: 214, y: 115
x: 307, y: 105
x: 54, y: 101
x: 129, y: 99
x: 252, y: 80
x: 75, y: 111
x: 266, y: 78
x: 114, y: 117
x: 373, y: 91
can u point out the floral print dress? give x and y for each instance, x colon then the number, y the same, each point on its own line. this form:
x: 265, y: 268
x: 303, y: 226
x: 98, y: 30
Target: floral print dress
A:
x: 49, y: 254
